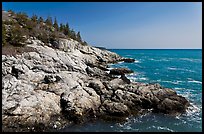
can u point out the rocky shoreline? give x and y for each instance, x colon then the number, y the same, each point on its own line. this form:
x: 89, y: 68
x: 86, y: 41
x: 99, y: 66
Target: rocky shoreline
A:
x: 50, y: 88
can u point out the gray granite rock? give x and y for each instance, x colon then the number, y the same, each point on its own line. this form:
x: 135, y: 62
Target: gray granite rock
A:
x: 71, y: 82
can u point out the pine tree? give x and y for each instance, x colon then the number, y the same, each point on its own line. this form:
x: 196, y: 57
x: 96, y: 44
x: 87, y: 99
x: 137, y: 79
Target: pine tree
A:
x: 55, y: 25
x: 34, y: 18
x: 78, y: 37
x: 10, y: 11
x: 73, y: 34
x: 16, y: 35
x: 22, y: 18
x: 61, y: 27
x: 67, y: 30
x: 40, y: 20
x: 49, y: 21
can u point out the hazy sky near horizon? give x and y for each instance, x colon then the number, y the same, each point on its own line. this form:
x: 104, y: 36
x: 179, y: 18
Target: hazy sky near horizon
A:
x: 130, y: 25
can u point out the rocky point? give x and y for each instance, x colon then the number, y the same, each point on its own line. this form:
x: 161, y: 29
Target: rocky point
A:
x: 52, y: 87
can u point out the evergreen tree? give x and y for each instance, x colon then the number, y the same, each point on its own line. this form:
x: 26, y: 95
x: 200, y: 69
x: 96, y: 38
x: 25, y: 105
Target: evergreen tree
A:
x: 78, y: 37
x: 34, y: 18
x: 73, y: 34
x: 40, y: 20
x: 49, y: 21
x: 67, y: 30
x: 45, y: 31
x: 21, y: 18
x: 10, y: 11
x: 61, y: 27
x: 67, y: 26
x: 16, y: 35
x: 55, y: 25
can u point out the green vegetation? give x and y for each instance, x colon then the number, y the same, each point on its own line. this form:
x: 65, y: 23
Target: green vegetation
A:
x: 16, y: 30
x: 3, y: 34
x: 55, y: 25
x: 16, y: 36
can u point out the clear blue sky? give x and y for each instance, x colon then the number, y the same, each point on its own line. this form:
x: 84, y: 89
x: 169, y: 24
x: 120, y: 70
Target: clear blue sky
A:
x: 138, y: 25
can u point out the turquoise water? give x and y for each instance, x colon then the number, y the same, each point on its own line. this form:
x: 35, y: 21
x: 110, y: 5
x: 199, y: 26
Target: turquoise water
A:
x: 177, y: 69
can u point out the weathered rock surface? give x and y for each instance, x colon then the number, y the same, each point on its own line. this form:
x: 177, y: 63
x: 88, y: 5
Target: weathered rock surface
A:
x: 50, y: 87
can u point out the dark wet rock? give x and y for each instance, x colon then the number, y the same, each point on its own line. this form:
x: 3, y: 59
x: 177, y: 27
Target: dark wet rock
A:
x: 98, y: 65
x: 129, y: 60
x: 174, y: 105
x: 120, y: 71
x: 124, y: 78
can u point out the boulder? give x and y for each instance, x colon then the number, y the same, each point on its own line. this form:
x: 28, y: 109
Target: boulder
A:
x: 125, y: 79
x: 97, y: 86
x: 79, y: 104
x: 174, y: 105
x: 114, y: 109
x: 120, y: 71
x: 128, y: 60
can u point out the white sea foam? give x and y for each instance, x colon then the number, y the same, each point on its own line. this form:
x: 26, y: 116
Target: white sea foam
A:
x: 190, y: 59
x: 195, y: 81
x: 189, y: 79
x: 142, y: 78
x: 159, y: 80
x: 107, y: 72
x: 164, y: 59
x: 164, y: 128
x: 137, y: 61
x: 110, y: 64
x: 192, y: 109
x: 152, y: 59
x: 172, y: 68
x: 109, y: 68
x: 135, y: 78
x: 178, y: 88
x: 120, y: 62
x: 131, y: 78
x: 128, y: 127
x: 182, y: 69
x: 173, y: 82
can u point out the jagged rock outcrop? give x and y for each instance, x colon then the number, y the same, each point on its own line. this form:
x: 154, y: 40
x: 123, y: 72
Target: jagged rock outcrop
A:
x: 128, y: 60
x: 45, y: 86
x: 120, y: 71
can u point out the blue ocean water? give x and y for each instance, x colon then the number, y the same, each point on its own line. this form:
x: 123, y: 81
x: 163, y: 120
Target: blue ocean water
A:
x: 172, y: 68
